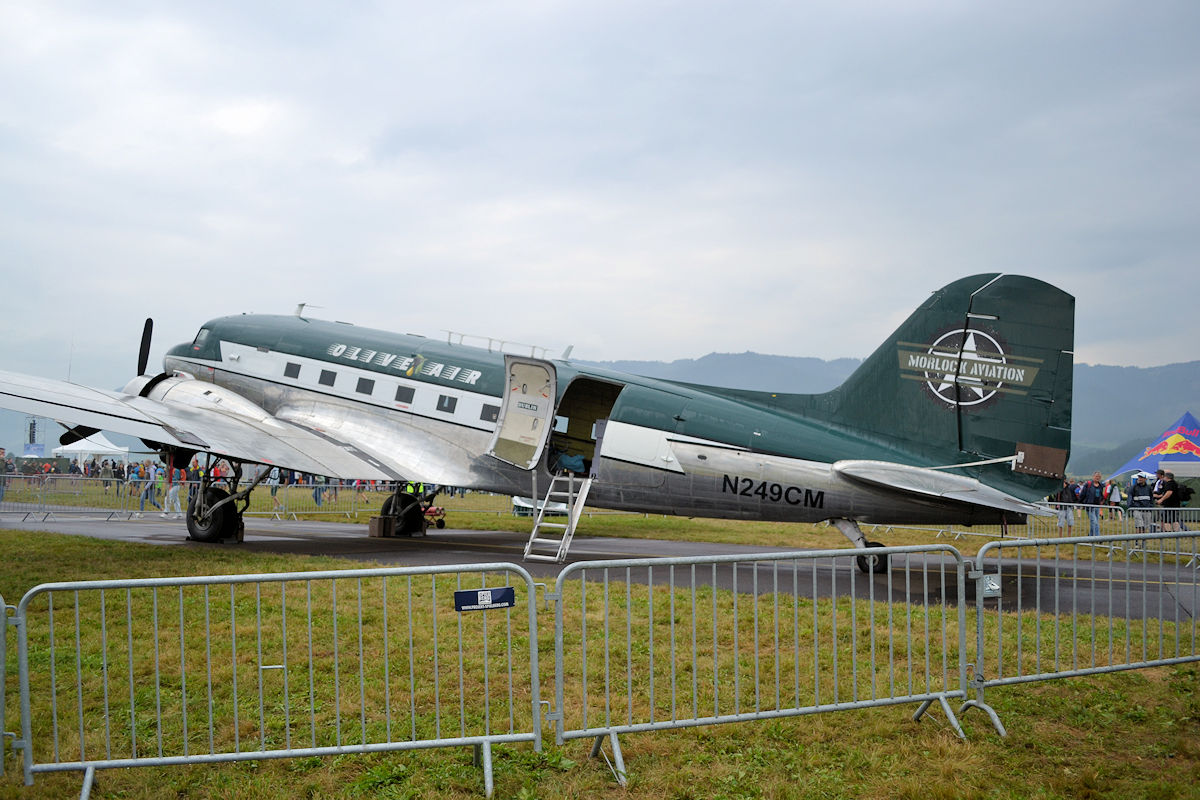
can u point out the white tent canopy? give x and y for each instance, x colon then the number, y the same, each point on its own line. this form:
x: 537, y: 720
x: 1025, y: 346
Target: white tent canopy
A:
x: 95, y: 445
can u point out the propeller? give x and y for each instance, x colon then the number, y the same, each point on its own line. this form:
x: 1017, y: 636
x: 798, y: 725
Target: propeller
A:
x: 77, y: 433
x: 144, y: 351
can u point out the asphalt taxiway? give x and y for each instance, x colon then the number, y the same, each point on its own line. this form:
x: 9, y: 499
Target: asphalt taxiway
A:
x: 1130, y: 590
x: 352, y: 541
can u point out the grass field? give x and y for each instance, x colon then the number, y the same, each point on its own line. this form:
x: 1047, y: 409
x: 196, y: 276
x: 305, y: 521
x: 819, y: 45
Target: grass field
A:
x: 1132, y: 734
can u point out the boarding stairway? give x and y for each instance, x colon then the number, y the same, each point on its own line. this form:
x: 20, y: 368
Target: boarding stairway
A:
x: 550, y: 541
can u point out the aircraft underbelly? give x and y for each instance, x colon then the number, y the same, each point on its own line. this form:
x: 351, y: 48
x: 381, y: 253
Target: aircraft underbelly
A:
x: 722, y: 482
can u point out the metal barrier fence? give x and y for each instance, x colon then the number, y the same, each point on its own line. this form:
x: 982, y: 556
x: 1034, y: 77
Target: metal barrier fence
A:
x: 1112, y: 521
x: 650, y: 644
x: 4, y: 733
x: 1046, y: 608
x: 229, y: 668
x: 47, y: 495
x: 39, y: 494
x: 56, y: 494
x: 232, y: 668
x: 313, y: 499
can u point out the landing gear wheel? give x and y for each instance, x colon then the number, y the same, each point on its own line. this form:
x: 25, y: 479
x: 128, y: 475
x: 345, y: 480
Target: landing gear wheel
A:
x: 873, y: 563
x: 441, y: 523
x: 406, y: 508
x: 223, y: 523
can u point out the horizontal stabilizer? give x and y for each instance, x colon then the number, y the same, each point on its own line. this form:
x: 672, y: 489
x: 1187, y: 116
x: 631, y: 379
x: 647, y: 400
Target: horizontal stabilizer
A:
x: 934, y: 484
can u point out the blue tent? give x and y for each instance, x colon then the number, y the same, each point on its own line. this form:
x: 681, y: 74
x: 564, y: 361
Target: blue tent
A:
x: 1180, y: 442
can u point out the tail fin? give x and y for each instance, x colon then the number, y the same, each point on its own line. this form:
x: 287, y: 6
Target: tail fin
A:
x: 982, y: 370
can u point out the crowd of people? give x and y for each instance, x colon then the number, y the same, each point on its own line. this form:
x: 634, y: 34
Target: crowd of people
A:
x: 1140, y: 497
x: 1153, y: 504
x: 158, y: 487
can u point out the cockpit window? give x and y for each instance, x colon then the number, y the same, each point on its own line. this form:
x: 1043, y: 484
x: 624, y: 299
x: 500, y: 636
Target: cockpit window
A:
x: 200, y: 339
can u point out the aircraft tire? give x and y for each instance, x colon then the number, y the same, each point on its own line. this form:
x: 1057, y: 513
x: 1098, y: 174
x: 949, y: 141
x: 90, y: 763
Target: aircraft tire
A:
x: 406, y: 508
x: 876, y: 564
x: 221, y: 524
x: 441, y: 523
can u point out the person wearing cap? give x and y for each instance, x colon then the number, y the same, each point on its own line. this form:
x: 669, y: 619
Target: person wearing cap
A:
x: 1141, y: 502
x: 1168, y: 500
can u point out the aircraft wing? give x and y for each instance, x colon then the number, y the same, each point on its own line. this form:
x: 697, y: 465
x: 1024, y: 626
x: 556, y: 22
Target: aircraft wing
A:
x: 934, y: 484
x: 206, y: 420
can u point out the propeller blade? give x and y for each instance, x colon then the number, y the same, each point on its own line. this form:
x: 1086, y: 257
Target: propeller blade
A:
x: 75, y: 434
x: 144, y: 352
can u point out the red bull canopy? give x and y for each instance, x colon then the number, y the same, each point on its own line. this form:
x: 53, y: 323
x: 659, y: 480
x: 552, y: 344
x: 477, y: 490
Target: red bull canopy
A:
x: 1178, y: 443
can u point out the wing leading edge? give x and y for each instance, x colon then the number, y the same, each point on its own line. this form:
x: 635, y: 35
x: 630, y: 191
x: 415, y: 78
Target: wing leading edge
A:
x: 198, y: 424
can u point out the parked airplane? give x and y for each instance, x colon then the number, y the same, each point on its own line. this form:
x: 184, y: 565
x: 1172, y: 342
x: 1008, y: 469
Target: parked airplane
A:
x: 961, y: 417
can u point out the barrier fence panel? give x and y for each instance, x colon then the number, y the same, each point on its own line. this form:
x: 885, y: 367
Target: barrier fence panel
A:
x: 5, y: 734
x: 310, y: 499
x: 1054, y: 608
x: 1159, y: 520
x: 649, y: 644
x: 75, y: 494
x: 1061, y: 519
x: 231, y: 668
x: 35, y: 494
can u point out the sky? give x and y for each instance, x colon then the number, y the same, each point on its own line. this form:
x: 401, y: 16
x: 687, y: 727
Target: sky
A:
x: 641, y: 180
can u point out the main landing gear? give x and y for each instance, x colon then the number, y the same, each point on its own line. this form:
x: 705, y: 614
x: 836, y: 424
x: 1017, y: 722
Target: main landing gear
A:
x: 408, y: 511
x: 868, y: 562
x: 412, y: 510
x: 213, y: 513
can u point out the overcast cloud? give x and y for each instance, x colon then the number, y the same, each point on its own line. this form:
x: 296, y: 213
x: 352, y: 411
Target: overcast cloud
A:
x: 643, y: 180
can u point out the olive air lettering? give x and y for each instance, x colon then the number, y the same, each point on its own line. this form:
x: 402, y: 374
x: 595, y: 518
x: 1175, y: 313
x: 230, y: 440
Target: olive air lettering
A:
x: 406, y: 365
x: 772, y: 492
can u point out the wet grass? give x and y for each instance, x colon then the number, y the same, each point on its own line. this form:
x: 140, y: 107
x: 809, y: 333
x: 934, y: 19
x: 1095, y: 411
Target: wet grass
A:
x: 1131, y: 734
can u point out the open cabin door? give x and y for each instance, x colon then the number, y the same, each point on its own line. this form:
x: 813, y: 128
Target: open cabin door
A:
x: 526, y: 411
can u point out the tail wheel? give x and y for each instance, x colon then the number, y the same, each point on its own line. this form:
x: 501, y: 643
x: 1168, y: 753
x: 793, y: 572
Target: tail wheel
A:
x: 873, y: 563
x: 221, y: 523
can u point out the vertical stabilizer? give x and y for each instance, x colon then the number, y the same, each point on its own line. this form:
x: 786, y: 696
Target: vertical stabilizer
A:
x: 982, y: 370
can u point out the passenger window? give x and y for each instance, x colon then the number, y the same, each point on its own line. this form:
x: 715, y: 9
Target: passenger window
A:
x: 292, y: 370
x: 366, y: 386
x: 404, y: 394
x: 447, y: 404
x: 327, y: 378
x: 490, y: 413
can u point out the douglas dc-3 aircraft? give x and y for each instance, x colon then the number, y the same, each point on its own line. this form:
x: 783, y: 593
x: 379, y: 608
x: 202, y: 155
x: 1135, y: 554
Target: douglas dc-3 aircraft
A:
x: 963, y: 416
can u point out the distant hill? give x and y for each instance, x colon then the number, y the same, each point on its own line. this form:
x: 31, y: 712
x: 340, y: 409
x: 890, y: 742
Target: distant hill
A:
x: 1117, y: 410
x: 753, y: 371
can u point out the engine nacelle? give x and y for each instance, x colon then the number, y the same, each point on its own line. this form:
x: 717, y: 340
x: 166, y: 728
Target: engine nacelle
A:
x: 184, y: 390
